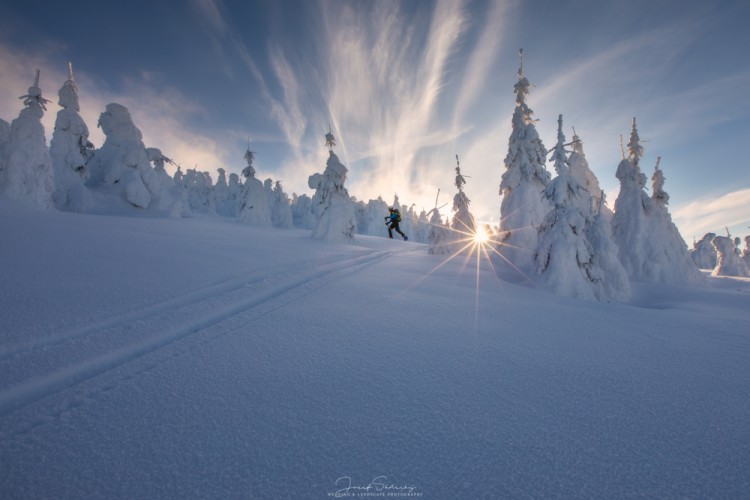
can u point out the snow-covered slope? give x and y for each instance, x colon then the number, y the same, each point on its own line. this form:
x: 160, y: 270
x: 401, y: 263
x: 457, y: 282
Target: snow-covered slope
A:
x: 200, y: 358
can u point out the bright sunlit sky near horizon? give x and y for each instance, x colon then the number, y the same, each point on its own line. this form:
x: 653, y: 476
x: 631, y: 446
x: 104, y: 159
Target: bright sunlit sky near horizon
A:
x: 405, y: 86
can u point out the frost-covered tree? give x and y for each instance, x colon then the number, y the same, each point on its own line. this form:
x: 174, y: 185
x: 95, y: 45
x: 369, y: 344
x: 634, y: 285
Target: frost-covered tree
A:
x: 26, y: 166
x: 729, y: 261
x: 703, y: 252
x: 226, y: 201
x: 660, y: 197
x: 650, y: 246
x: 254, y: 208
x: 281, y: 212
x: 579, y: 168
x: 169, y: 194
x: 302, y: 215
x: 373, y: 218
x: 70, y: 151
x: 235, y: 192
x: 463, y: 221
x: 523, y: 207
x: 440, y: 235
x: 423, y: 228
x: 331, y: 204
x: 746, y: 252
x: 199, y: 188
x: 575, y: 256
x: 121, y: 168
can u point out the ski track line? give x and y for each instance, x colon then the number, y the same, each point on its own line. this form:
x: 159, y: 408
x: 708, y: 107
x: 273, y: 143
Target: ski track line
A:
x: 182, y: 300
x: 31, y: 391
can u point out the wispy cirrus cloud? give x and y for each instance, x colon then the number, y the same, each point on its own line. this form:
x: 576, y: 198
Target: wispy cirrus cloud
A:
x: 713, y: 214
x: 384, y: 83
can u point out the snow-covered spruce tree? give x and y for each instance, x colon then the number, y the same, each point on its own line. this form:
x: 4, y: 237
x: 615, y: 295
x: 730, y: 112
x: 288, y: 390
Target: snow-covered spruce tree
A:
x: 254, y: 208
x: 463, y: 222
x: 703, y: 252
x: 439, y: 235
x: 169, y: 194
x: 26, y: 166
x: 746, y: 252
x: 523, y: 207
x: 281, y: 213
x: 227, y: 194
x: 649, y: 245
x: 70, y: 151
x: 302, y: 215
x: 571, y: 239
x: 409, y: 221
x: 579, y: 168
x: 373, y: 222
x: 359, y: 214
x: 423, y: 228
x: 121, y: 168
x: 235, y: 192
x: 331, y: 204
x: 729, y: 262
x: 226, y: 204
x: 199, y: 188
x: 660, y: 197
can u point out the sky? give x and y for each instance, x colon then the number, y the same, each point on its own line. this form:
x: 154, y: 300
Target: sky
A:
x: 405, y: 86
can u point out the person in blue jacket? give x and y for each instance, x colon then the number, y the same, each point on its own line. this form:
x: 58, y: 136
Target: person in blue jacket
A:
x: 392, y: 221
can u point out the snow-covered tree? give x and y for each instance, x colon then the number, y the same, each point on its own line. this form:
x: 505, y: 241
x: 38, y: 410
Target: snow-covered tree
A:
x: 235, y: 192
x: 660, y: 197
x: 199, y: 187
x: 703, y: 252
x: 226, y: 201
x: 650, y: 246
x: 439, y: 235
x: 579, y: 168
x: 331, y: 204
x: 254, y: 209
x: 281, y: 212
x: 70, y: 151
x: 302, y: 215
x: 423, y: 228
x: 729, y: 261
x: 523, y: 207
x: 122, y: 168
x: 746, y: 252
x: 463, y: 221
x: 575, y: 256
x: 26, y: 166
x: 372, y: 218
x: 169, y: 194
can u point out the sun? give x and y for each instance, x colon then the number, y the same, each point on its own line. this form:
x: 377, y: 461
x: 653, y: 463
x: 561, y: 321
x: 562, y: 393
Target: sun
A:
x: 480, y: 237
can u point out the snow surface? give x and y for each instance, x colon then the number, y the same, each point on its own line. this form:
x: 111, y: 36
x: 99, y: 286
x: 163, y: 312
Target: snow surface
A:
x: 200, y: 358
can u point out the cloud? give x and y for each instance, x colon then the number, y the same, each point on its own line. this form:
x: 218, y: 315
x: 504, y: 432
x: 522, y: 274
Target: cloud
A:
x: 713, y: 214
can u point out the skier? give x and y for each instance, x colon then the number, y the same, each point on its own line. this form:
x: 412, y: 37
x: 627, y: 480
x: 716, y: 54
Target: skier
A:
x: 392, y: 221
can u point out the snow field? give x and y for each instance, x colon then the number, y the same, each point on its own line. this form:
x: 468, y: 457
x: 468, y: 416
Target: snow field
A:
x: 200, y: 358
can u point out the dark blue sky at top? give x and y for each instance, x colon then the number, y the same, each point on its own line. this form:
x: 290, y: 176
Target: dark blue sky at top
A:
x: 175, y: 45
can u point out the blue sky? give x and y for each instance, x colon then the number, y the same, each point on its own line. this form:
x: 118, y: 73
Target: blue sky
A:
x: 406, y: 86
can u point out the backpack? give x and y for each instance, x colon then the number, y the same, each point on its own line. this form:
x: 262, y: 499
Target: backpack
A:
x: 398, y: 215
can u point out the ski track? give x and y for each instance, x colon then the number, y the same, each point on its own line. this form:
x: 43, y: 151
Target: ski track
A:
x: 185, y: 299
x: 293, y: 286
